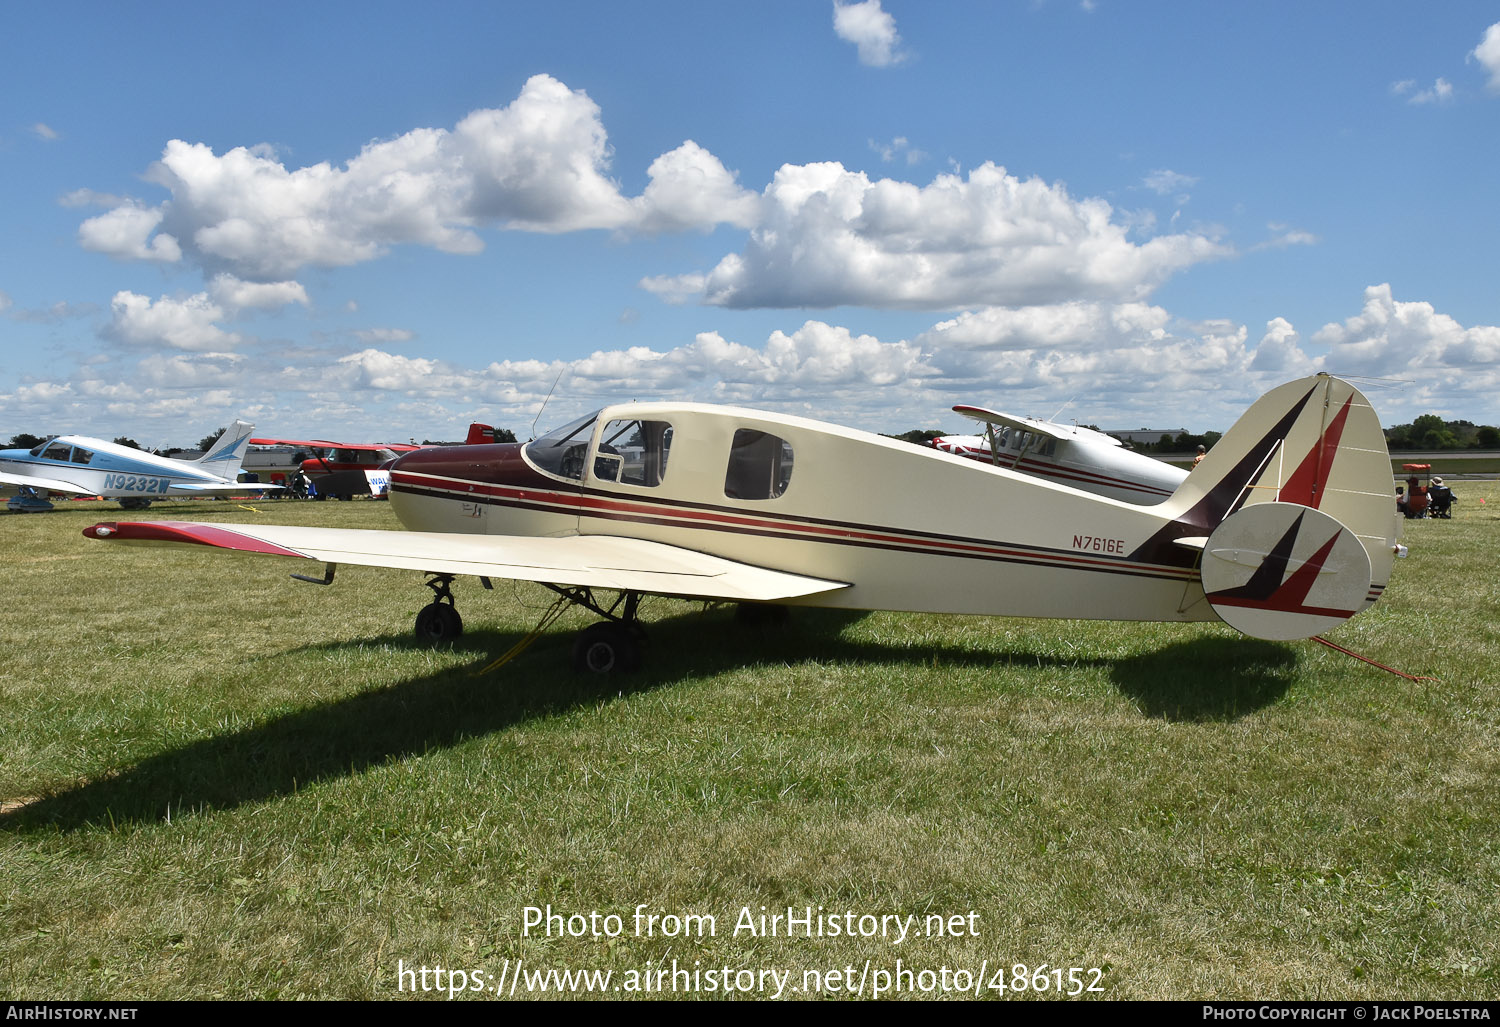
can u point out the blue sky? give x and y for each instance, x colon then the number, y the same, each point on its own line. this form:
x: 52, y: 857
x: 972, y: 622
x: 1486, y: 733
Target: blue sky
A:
x: 373, y: 221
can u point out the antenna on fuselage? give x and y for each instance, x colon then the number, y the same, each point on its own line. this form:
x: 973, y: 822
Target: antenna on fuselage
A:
x: 539, y: 409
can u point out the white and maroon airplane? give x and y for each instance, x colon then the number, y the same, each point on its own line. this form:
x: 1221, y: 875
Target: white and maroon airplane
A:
x: 1285, y: 530
x: 1081, y: 457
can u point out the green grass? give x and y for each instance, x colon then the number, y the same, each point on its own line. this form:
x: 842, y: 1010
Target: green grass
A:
x: 220, y: 782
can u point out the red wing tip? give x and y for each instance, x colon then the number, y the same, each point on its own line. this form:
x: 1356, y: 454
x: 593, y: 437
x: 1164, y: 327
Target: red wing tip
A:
x: 186, y: 532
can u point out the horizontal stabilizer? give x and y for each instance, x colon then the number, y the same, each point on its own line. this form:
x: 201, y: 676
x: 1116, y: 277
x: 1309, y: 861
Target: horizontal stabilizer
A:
x: 1283, y: 571
x: 209, y: 488
x: 593, y: 561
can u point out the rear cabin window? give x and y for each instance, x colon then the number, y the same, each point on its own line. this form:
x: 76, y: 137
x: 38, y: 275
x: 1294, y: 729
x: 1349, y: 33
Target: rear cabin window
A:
x: 633, y: 452
x: 760, y: 466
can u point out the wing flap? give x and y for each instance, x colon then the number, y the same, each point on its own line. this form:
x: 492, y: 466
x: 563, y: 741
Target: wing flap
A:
x: 594, y: 561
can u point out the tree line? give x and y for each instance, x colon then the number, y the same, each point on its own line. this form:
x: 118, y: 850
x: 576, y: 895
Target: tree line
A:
x: 1428, y: 432
x: 1432, y: 432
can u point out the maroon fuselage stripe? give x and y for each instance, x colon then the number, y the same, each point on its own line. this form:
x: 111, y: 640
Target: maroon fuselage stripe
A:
x: 677, y: 512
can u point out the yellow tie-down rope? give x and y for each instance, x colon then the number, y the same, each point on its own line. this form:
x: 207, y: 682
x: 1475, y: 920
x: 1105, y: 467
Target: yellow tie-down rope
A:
x: 555, y: 611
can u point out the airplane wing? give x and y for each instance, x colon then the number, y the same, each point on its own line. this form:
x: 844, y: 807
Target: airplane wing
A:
x: 50, y: 484
x: 593, y: 561
x: 1066, y: 432
x: 374, y: 447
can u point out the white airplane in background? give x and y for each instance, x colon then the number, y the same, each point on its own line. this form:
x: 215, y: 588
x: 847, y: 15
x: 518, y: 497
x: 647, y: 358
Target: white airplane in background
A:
x: 92, y: 467
x: 1285, y: 530
x: 1081, y: 457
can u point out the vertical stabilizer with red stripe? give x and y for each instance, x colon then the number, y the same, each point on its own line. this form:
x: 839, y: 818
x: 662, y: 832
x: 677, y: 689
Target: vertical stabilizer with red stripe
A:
x: 1314, y: 450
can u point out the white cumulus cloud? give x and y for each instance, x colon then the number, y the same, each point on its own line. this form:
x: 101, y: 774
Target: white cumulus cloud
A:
x: 126, y: 233
x: 186, y: 324
x: 871, y: 30
x: 1063, y: 326
x: 1487, y: 53
x: 1280, y: 351
x: 539, y: 164
x: 829, y: 236
x: 236, y: 295
x: 198, y: 371
x: 1389, y: 337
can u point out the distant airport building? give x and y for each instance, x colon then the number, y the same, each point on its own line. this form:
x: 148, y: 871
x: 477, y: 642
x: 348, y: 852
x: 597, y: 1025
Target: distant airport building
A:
x: 273, y: 463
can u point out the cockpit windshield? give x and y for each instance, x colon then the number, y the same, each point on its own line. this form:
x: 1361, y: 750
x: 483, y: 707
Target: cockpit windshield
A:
x: 562, y: 451
x: 41, y: 448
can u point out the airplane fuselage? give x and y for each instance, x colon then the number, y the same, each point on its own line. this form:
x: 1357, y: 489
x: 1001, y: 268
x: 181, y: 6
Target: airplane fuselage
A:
x: 909, y: 528
x: 94, y: 467
x: 1103, y: 470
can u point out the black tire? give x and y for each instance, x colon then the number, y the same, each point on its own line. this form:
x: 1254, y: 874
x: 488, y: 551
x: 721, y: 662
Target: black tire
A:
x: 607, y: 648
x: 438, y: 623
x: 134, y: 503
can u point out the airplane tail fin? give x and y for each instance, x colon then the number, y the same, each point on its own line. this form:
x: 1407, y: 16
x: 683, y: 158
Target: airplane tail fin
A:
x: 1293, y: 511
x: 226, y: 455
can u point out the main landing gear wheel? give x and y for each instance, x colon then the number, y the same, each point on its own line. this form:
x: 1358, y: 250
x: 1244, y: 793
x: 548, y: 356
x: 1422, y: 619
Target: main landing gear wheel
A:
x: 438, y: 622
x: 609, y: 647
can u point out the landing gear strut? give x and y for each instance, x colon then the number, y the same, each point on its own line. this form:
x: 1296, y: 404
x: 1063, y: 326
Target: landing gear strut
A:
x: 438, y: 621
x: 612, y: 646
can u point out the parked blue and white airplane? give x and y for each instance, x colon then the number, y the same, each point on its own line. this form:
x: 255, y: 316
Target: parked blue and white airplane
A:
x: 92, y: 467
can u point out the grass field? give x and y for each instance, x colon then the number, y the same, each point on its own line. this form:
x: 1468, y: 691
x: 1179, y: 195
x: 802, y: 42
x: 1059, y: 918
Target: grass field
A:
x: 217, y: 782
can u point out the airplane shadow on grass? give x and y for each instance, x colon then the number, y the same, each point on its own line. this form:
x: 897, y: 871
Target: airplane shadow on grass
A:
x: 1205, y: 679
x: 1208, y: 678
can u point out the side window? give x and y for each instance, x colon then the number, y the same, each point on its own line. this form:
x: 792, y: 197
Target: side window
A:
x: 82, y: 456
x: 633, y: 452
x: 760, y: 466
x: 57, y: 451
